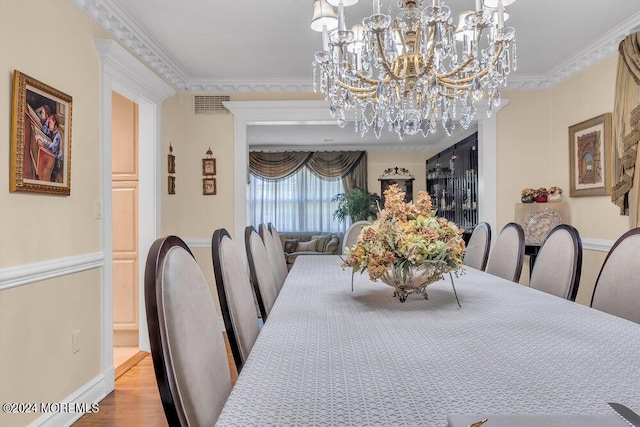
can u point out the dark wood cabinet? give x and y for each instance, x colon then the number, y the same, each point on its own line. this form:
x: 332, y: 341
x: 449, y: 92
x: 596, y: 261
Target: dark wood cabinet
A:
x: 452, y: 183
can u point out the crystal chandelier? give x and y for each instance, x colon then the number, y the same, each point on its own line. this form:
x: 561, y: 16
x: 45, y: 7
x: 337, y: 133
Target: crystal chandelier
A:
x: 415, y: 70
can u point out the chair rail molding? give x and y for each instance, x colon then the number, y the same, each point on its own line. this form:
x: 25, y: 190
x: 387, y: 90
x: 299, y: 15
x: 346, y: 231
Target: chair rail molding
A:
x: 24, y: 274
x: 599, y: 245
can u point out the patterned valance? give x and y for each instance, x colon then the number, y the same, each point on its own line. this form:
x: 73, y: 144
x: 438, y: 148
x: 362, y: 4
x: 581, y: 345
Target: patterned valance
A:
x: 351, y: 166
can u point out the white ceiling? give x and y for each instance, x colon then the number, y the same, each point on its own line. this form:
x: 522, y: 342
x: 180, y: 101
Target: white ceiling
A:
x: 267, y: 46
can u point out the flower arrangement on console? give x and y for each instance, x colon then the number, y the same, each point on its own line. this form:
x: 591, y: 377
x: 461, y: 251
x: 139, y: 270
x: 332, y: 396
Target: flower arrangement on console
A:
x: 540, y: 195
x: 527, y: 195
x: 408, y: 247
x: 555, y: 194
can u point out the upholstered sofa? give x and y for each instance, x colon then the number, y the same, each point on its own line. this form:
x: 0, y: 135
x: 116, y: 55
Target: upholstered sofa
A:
x: 296, y: 243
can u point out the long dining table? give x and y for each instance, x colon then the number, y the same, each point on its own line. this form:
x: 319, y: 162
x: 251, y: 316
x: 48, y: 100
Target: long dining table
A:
x: 330, y: 355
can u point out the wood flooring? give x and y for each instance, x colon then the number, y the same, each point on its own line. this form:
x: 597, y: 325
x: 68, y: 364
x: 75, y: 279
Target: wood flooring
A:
x: 136, y: 400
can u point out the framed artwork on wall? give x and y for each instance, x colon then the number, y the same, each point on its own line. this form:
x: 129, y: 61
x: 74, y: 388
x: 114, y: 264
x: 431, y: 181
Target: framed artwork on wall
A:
x: 209, y: 186
x: 208, y: 166
x: 172, y: 185
x: 40, y: 137
x: 589, y: 154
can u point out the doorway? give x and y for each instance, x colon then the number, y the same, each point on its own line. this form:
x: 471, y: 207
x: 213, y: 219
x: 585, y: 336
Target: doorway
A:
x: 125, y: 254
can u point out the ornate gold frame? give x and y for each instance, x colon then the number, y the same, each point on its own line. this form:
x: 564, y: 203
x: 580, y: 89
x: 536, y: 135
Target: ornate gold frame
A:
x: 29, y: 160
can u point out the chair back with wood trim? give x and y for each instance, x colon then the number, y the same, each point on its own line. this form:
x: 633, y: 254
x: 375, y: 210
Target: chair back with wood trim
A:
x: 260, y: 271
x: 235, y: 296
x: 507, y: 255
x: 352, y: 233
x: 477, y: 252
x: 278, y: 253
x: 559, y: 263
x: 187, y: 345
x: 617, y: 288
x: 275, y: 252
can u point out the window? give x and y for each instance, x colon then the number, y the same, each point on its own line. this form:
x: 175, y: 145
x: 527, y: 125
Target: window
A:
x: 299, y: 202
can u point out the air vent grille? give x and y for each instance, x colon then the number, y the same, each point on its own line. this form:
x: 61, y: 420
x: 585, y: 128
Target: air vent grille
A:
x: 209, y: 104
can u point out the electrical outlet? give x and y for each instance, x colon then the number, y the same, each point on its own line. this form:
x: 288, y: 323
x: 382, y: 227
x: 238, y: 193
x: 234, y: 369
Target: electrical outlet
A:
x: 75, y: 342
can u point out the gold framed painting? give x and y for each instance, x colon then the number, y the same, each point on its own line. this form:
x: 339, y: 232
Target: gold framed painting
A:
x: 40, y: 137
x: 589, y: 156
x: 209, y: 186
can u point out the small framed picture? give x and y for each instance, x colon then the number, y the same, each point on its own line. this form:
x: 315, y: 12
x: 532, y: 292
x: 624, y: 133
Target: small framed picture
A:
x: 171, y: 165
x: 208, y: 166
x: 40, y: 137
x: 209, y: 186
x: 589, y: 153
x: 172, y: 185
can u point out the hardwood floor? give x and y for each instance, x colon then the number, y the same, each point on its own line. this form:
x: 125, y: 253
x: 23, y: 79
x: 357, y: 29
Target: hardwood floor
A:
x: 136, y: 400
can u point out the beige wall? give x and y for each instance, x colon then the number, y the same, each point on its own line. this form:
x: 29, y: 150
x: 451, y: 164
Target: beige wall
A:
x: 51, y: 41
x: 533, y: 151
x: 188, y: 213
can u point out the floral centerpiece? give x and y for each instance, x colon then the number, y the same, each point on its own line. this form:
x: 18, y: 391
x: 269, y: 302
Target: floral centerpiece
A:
x: 408, y: 247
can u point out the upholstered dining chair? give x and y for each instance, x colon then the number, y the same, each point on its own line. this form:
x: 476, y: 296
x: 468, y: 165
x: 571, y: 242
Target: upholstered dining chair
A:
x: 559, y: 263
x: 352, y: 233
x: 278, y: 251
x: 275, y: 253
x: 187, y: 345
x: 260, y: 271
x: 617, y: 288
x: 477, y: 252
x: 235, y: 296
x: 505, y: 259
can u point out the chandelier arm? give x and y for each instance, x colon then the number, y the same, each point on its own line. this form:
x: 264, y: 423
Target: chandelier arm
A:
x: 385, y: 63
x: 466, y: 80
x: 354, y: 89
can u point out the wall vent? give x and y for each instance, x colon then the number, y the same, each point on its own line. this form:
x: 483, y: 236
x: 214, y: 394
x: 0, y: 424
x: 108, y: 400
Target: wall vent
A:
x: 209, y: 104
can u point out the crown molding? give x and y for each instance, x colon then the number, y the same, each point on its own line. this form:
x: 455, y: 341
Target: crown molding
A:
x: 582, y: 59
x: 113, y: 19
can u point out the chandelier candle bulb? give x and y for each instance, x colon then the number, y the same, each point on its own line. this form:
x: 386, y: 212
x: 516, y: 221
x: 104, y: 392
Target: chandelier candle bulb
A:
x: 325, y: 38
x: 341, y: 24
x: 500, y: 15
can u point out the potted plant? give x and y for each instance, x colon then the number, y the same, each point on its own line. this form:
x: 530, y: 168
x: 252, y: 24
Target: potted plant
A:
x: 540, y: 195
x: 358, y: 204
x: 555, y: 194
x: 527, y: 195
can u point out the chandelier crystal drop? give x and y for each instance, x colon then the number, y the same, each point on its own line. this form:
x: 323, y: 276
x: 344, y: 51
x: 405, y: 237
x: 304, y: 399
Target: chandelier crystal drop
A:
x: 415, y: 70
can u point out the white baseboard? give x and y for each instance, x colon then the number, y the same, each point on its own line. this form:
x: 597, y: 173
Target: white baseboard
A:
x: 90, y: 393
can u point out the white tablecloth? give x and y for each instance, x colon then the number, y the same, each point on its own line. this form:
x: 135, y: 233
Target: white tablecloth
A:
x: 330, y: 356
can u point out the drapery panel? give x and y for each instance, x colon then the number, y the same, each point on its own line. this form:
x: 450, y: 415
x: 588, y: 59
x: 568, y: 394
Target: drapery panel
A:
x: 351, y: 166
x: 626, y: 130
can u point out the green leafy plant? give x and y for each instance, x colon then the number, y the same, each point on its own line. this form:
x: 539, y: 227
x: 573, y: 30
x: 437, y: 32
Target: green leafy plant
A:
x: 356, y: 203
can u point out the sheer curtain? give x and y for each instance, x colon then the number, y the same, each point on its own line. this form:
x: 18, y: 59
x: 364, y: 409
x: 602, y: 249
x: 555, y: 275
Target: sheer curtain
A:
x: 299, y: 202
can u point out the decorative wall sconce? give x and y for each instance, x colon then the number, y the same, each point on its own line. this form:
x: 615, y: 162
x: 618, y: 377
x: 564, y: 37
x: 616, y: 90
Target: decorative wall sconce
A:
x: 171, y: 168
x: 208, y: 171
